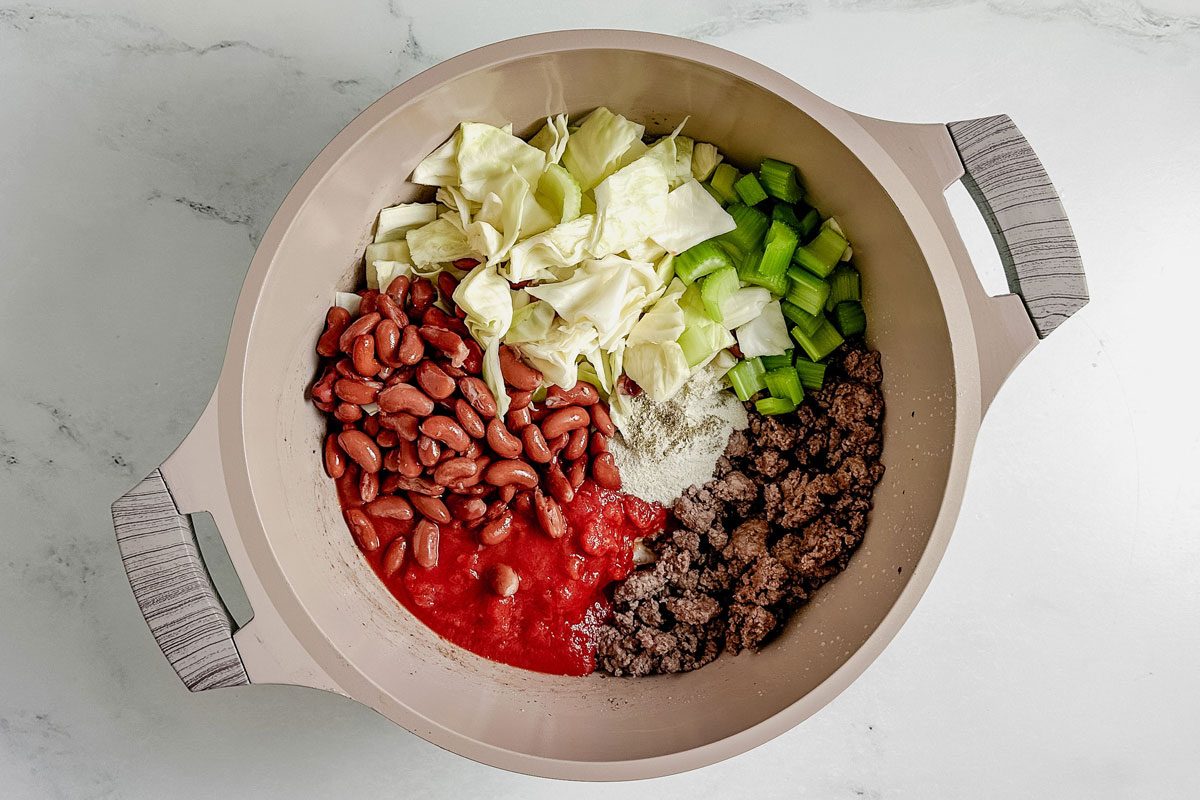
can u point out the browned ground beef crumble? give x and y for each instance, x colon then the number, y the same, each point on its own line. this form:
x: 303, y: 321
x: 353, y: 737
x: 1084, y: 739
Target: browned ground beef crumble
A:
x: 785, y: 510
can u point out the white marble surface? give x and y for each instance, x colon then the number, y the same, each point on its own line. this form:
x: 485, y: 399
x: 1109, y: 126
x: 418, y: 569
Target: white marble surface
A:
x: 143, y: 149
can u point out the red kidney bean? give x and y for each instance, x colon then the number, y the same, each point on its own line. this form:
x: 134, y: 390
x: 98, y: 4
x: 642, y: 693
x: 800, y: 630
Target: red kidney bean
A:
x: 446, y: 431
x: 446, y: 342
x: 335, y: 464
x: 325, y: 408
x: 421, y: 295
x: 368, y: 486
x: 370, y: 425
x: 467, y: 509
x: 576, y: 444
x: 364, y: 324
x: 411, y: 348
x: 368, y: 299
x: 446, y: 284
x: 392, y: 312
x: 598, y: 443
x: 473, y: 363
x: 559, y: 442
x: 519, y: 399
x: 428, y: 450
x: 403, y: 423
x: 355, y: 392
x: 466, y: 263
x: 361, y: 449
x: 523, y: 502
x: 549, y: 515
x: 564, y: 420
x: 502, y: 442
x: 387, y: 439
x: 335, y: 324
x: 517, y: 373
x: 345, y: 369
x: 582, y: 394
x: 430, y: 507
x: 390, y: 507
x: 605, y: 473
x: 404, y: 397
x: 425, y: 543
x: 518, y: 418
x: 363, y: 355
x: 322, y: 390
x: 503, y: 580
x: 473, y: 450
x: 451, y: 370
x: 398, y: 289
x: 468, y: 419
x: 417, y: 486
x: 347, y: 412
x: 478, y: 395
x: 535, y: 445
x: 507, y: 493
x: 601, y: 420
x: 560, y: 488
x: 511, y: 471
x: 497, y: 529
x: 387, y: 341
x: 393, y: 559
x: 385, y: 372
x: 408, y: 461
x: 436, y: 383
x: 437, y: 318
x: 577, y: 473
x: 538, y: 413
x: 455, y: 470
x: 363, y: 529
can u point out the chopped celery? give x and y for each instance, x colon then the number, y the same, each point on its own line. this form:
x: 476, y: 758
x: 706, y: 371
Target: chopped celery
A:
x: 705, y: 158
x: 844, y: 284
x: 700, y: 260
x: 777, y: 251
x: 821, y: 342
x: 750, y: 270
x: 851, y: 319
x: 787, y: 215
x: 806, y: 290
x: 804, y: 321
x: 748, y: 378
x: 723, y: 178
x: 784, y: 382
x: 809, y: 223
x: 714, y: 193
x: 812, y: 374
x: 751, y: 227
x: 700, y: 341
x: 749, y: 189
x: 776, y: 362
x: 559, y: 193
x: 716, y: 288
x: 821, y: 254
x: 779, y: 180
x: 770, y: 406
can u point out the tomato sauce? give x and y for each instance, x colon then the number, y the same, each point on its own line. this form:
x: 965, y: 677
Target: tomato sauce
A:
x: 550, y: 623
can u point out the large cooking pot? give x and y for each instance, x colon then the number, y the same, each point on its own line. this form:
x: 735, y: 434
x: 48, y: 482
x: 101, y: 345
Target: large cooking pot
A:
x: 321, y: 617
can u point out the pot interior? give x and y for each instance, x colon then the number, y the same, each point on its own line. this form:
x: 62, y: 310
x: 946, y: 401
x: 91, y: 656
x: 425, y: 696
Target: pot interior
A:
x: 428, y: 684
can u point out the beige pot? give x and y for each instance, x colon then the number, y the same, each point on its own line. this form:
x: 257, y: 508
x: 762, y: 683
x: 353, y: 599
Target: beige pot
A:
x: 323, y: 619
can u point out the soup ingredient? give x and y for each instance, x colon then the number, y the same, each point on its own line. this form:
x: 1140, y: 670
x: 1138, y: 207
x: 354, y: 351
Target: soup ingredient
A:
x: 786, y: 509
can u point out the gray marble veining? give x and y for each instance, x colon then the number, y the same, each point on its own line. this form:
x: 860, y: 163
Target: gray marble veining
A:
x: 145, y: 148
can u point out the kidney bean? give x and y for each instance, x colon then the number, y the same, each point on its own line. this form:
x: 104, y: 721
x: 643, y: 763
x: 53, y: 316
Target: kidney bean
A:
x: 408, y: 460
x: 473, y: 450
x: 446, y: 284
x: 469, y: 489
x: 398, y: 289
x: 582, y: 394
x: 549, y: 515
x: 385, y: 372
x: 368, y: 301
x: 325, y: 408
x: 418, y: 486
x: 428, y: 450
x: 605, y: 473
x: 347, y: 412
x: 411, y: 348
x: 446, y: 455
x: 421, y: 295
x: 327, y: 344
x: 335, y: 464
x: 598, y: 443
x: 436, y: 383
x: 368, y: 486
x: 455, y: 470
x: 523, y: 502
x: 518, y: 418
x: 387, y: 439
x: 404, y: 397
x: 355, y: 392
x: 425, y: 543
x: 466, y: 263
x: 516, y: 372
x: 370, y: 425
x: 576, y: 445
x: 363, y: 529
x: 535, y: 445
x: 393, y: 559
x: 322, y: 390
x: 446, y: 431
x: 468, y: 419
x: 392, y: 312
x: 564, y: 420
x: 451, y: 370
x: 511, y: 471
x: 430, y: 507
x: 467, y: 509
x: 558, y: 443
x: 601, y: 420
x: 363, y: 355
x: 364, y: 324
x: 503, y: 580
x: 498, y: 529
x: 473, y: 363
x: 390, y: 506
x: 401, y: 374
x: 501, y: 440
x: 577, y: 473
x: 507, y: 493
x: 437, y: 318
x: 336, y: 317
x: 560, y: 488
x: 446, y: 342
x: 387, y: 341
x: 345, y: 368
x: 478, y: 395
x: 403, y: 423
x: 361, y: 449
x: 519, y: 399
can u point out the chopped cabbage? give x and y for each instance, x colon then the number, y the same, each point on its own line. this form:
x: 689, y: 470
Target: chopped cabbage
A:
x: 484, y: 297
x: 766, y: 334
x: 489, y: 159
x: 552, y: 138
x: 556, y: 355
x: 662, y: 322
x: 564, y: 245
x: 396, y: 221
x: 610, y: 293
x: 380, y: 274
x: 439, y: 168
x: 745, y: 304
x: 592, y: 153
x: 684, y: 146
x: 494, y: 378
x: 691, y: 216
x: 530, y: 323
x: 347, y: 300
x: 630, y: 205
x: 438, y: 242
x: 660, y: 368
x: 649, y: 250
x: 705, y: 158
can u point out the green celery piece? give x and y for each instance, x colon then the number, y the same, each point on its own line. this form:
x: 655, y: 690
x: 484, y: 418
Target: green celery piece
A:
x: 723, y: 179
x: 821, y: 342
x: 823, y: 253
x: 850, y: 317
x: 809, y: 222
x: 770, y: 406
x: 844, y: 284
x: 807, y: 290
x: 715, y: 194
x: 787, y: 215
x: 780, y: 243
x: 752, y: 226
x: 700, y: 260
x: 804, y: 321
x: 716, y: 288
x: 785, y: 382
x: 746, y: 378
x: 750, y: 190
x: 776, y: 362
x: 779, y: 180
x: 812, y: 374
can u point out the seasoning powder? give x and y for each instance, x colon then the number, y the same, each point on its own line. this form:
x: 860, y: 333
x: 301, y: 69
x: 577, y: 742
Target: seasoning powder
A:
x: 663, y: 448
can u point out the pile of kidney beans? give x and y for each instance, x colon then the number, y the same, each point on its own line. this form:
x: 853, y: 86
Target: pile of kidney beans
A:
x: 437, y: 452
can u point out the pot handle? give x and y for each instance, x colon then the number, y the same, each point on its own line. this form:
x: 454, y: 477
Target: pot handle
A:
x: 1026, y: 217
x: 173, y: 588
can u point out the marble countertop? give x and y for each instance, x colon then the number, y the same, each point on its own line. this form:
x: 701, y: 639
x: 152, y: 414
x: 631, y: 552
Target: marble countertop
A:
x: 146, y: 146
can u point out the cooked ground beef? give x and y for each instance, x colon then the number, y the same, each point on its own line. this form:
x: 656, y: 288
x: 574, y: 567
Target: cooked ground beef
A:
x: 786, y: 508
